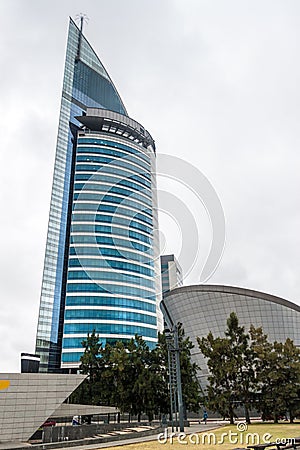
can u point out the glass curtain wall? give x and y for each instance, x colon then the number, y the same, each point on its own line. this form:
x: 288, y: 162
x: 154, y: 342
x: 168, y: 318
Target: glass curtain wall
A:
x: 86, y: 84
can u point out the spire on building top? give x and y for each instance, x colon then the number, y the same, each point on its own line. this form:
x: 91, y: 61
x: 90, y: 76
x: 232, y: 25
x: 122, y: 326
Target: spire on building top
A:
x: 80, y: 18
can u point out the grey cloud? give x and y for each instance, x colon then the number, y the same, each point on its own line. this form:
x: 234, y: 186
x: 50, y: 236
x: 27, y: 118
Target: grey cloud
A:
x: 216, y: 83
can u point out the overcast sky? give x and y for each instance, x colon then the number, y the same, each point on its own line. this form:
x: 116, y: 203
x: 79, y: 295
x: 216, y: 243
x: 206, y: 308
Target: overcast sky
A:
x: 215, y: 82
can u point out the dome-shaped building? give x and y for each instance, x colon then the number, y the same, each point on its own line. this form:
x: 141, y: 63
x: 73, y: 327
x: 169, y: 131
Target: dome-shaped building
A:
x: 205, y: 308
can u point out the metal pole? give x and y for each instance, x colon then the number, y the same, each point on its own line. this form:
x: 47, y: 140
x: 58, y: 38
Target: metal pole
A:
x: 178, y: 376
x: 170, y: 389
x: 175, y: 406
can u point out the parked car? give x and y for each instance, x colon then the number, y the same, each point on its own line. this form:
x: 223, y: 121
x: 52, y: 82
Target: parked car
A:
x: 49, y: 423
x: 266, y: 417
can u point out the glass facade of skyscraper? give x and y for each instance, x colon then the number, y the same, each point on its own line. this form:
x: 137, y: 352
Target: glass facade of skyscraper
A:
x: 171, y: 273
x: 72, y: 303
x: 111, y: 268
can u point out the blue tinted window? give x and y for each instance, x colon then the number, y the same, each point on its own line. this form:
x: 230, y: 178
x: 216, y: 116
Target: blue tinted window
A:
x: 87, y: 83
x: 111, y: 252
x: 111, y: 219
x: 87, y: 300
x: 105, y: 240
x: 113, y: 144
x: 75, y: 356
x: 111, y: 170
x: 102, y: 189
x: 113, y: 177
x: 108, y: 328
x: 77, y: 342
x: 71, y: 357
x: 90, y: 274
x: 100, y: 314
x: 94, y: 152
x: 92, y: 185
x: 115, y: 165
x: 110, y: 289
x: 114, y: 210
x: 77, y: 228
x: 119, y: 265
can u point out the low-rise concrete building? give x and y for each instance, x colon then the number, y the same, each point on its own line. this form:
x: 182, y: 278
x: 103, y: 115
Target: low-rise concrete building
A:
x: 28, y: 399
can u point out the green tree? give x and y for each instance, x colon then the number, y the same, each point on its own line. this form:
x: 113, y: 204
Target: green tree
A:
x: 220, y: 380
x: 134, y: 378
x: 290, y: 363
x: 114, y: 379
x: 248, y: 369
x: 90, y: 366
x: 277, y: 368
x: 90, y: 358
x: 149, y: 390
x: 244, y: 380
x: 231, y: 372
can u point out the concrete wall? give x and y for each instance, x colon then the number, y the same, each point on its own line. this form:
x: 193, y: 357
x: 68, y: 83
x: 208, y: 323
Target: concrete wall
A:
x: 70, y: 410
x: 70, y: 434
x: 29, y: 400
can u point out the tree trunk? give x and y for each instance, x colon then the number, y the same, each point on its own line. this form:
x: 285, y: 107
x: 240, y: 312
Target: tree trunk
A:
x: 231, y: 415
x: 139, y: 417
x: 247, y: 414
x: 184, y: 412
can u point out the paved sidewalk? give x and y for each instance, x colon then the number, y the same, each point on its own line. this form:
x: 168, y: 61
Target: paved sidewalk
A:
x: 13, y: 445
x: 194, y: 428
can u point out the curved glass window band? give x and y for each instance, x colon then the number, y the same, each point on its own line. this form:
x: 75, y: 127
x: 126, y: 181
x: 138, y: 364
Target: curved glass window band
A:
x: 114, y: 210
x: 109, y: 328
x: 115, y: 220
x: 111, y: 289
x: 119, y: 265
x: 115, y: 165
x: 112, y: 253
x: 119, y: 302
x: 114, y: 242
x: 113, y: 144
x: 113, y: 181
x: 102, y: 190
x: 108, y: 175
x: 91, y: 154
x: 111, y: 230
x: 73, y: 314
x: 117, y: 277
x: 74, y: 357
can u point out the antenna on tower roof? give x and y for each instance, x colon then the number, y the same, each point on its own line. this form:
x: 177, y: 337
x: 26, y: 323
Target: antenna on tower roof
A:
x: 80, y: 18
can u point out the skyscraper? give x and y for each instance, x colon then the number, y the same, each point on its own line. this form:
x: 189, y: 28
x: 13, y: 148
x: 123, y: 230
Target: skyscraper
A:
x: 100, y: 271
x: 171, y: 273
